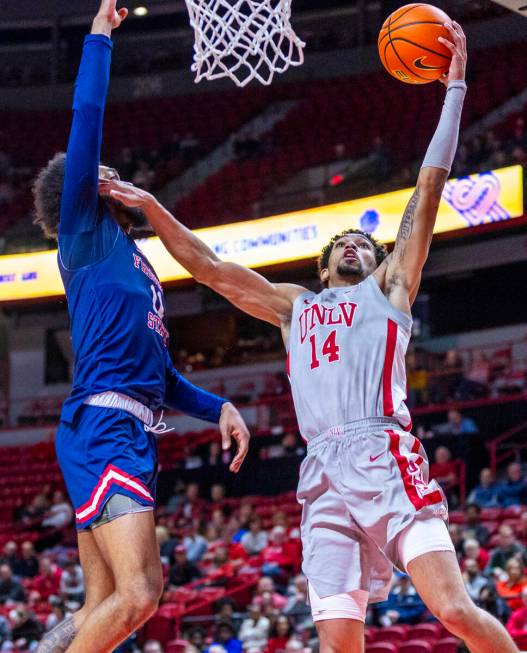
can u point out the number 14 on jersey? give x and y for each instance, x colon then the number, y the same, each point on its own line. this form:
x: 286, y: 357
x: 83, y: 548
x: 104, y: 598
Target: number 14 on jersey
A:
x: 329, y: 349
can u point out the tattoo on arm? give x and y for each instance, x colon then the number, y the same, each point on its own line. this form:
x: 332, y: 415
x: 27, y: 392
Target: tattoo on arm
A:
x: 58, y: 639
x: 407, y: 225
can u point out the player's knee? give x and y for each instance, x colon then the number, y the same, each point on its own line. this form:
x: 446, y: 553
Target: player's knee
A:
x: 140, y: 601
x: 457, y: 615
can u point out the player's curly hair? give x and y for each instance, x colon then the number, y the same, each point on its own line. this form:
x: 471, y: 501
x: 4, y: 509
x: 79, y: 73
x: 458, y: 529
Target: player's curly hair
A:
x: 380, y: 250
x: 47, y: 194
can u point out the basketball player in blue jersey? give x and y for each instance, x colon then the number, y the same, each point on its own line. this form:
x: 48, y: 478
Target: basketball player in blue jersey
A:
x: 106, y: 442
x: 367, y: 501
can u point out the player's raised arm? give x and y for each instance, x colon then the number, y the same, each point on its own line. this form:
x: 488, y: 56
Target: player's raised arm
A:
x: 80, y: 191
x: 246, y: 289
x: 403, y: 271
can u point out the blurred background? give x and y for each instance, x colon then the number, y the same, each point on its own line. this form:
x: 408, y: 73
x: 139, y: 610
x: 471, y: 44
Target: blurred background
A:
x: 335, y: 130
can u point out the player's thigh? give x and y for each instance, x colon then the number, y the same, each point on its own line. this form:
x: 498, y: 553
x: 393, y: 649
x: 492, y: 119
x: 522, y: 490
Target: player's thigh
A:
x: 130, y: 550
x: 340, y: 636
x: 98, y: 577
x: 438, y: 581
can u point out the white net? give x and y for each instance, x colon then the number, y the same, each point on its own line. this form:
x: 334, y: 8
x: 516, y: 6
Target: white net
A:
x: 243, y: 39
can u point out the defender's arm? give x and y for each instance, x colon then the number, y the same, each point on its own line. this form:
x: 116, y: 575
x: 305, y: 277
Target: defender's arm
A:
x: 403, y: 272
x: 244, y: 288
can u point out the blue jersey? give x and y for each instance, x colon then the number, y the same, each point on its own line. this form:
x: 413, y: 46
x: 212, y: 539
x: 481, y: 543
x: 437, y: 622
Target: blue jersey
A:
x: 115, y: 300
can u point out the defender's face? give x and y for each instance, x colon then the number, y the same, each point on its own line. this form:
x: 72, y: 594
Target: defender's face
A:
x: 352, y: 256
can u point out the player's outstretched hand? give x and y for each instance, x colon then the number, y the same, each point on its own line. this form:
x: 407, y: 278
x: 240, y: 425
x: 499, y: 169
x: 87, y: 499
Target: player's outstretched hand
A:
x: 124, y: 192
x: 233, y: 427
x: 108, y: 17
x: 458, y: 48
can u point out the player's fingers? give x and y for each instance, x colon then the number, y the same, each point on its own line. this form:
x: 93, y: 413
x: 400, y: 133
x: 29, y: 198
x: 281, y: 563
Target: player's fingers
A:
x: 125, y: 198
x: 447, y: 43
x: 242, y: 439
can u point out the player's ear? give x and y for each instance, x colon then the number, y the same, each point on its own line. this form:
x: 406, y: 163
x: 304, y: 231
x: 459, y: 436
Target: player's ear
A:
x: 324, y: 275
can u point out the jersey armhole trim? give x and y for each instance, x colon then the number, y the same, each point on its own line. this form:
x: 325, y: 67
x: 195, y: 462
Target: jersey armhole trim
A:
x: 402, y: 318
x: 90, y: 265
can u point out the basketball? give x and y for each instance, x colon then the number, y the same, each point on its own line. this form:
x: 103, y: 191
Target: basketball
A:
x: 409, y: 46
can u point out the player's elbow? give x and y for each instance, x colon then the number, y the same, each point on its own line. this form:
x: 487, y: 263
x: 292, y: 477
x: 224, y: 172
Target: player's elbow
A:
x: 206, y: 271
x: 431, y: 182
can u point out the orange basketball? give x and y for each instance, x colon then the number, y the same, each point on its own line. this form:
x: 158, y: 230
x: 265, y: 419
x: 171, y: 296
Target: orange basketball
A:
x: 408, y: 44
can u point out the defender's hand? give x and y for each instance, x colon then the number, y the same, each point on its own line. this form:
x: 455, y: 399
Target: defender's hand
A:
x: 108, y: 18
x: 458, y: 48
x: 233, y: 426
x: 125, y: 192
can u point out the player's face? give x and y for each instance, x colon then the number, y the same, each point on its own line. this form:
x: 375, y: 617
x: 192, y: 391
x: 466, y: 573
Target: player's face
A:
x: 129, y: 219
x: 352, y: 258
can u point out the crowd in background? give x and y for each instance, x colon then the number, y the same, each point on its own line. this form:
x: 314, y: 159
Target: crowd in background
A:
x: 205, y: 541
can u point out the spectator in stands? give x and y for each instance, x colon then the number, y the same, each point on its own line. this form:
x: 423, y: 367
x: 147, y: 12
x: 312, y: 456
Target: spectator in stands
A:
x: 492, y: 603
x: 475, y: 581
x: 60, y: 513
x: 191, y: 460
x: 25, y: 628
x: 215, y: 455
x: 508, y: 547
x: 517, y: 624
x: 196, y: 637
x: 47, y: 583
x: 254, y: 631
x: 177, y: 499
x: 11, y: 590
x: 152, y: 646
x: 478, y: 375
x: 192, y: 505
x: 255, y: 541
x: 403, y: 605
x: 473, y: 551
x: 266, y: 594
x: 297, y: 605
x: 143, y: 176
x: 225, y: 636
x: 444, y: 471
x: 217, y: 494
x: 166, y: 544
x: 32, y: 515
x: 485, y: 494
x: 512, y: 587
x: 451, y: 374
x: 417, y: 381
x: 456, y: 424
x: 521, y: 527
x: 57, y: 615
x: 457, y: 539
x: 474, y: 528
x: 9, y: 555
x: 72, y: 583
x: 194, y: 541
x: 182, y: 571
x: 5, y: 631
x: 27, y: 564
x: 513, y: 490
x: 279, y: 635
x: 276, y: 558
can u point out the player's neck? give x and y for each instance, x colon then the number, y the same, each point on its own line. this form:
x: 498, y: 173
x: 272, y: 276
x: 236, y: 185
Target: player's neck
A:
x: 342, y: 282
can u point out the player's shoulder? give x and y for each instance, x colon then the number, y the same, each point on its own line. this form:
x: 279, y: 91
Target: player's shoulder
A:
x: 291, y: 291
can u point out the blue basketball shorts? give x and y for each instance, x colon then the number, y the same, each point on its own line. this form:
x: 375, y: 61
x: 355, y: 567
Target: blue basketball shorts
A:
x: 105, y: 452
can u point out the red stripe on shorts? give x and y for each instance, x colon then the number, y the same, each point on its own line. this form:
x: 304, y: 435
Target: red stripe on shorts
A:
x: 411, y: 475
x: 391, y: 340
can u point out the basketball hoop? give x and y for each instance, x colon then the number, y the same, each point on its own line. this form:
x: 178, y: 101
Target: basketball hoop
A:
x: 243, y: 39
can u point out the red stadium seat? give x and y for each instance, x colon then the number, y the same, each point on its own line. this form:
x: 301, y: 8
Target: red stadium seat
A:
x: 425, y: 631
x: 446, y: 645
x: 381, y: 647
x: 176, y: 646
x: 392, y: 634
x: 416, y: 646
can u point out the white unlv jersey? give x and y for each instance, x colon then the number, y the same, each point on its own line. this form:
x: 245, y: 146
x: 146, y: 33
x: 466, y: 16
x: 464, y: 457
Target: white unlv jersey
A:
x: 346, y: 357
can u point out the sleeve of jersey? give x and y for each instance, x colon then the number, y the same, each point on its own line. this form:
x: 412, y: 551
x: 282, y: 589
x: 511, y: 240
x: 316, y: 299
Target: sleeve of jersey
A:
x: 80, y: 197
x: 182, y: 395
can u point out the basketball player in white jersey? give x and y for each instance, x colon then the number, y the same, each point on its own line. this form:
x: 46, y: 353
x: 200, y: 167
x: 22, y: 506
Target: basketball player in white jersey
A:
x: 367, y: 502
